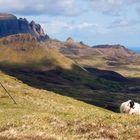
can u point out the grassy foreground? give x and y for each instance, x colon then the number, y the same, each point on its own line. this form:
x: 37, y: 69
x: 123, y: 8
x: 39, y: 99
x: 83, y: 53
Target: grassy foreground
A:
x: 41, y: 114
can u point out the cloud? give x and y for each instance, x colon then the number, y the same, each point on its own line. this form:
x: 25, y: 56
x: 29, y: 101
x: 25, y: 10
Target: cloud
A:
x: 60, y: 27
x: 91, y: 28
x: 119, y: 23
x: 138, y: 10
x: 107, y: 6
x: 38, y: 7
x: 56, y: 27
x: 66, y: 7
x: 112, y: 7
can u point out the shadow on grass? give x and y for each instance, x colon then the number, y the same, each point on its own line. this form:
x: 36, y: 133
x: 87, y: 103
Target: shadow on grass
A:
x: 74, y: 83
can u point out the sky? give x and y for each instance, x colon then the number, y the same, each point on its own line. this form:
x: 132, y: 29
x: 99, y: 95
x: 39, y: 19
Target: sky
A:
x: 91, y: 21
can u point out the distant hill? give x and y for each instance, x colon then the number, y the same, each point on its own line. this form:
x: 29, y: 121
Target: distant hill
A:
x: 9, y: 25
x: 113, y: 51
x: 79, y: 50
x: 107, y: 57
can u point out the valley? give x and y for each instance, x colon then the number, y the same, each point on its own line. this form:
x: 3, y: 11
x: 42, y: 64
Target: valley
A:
x: 44, y: 66
x: 64, y: 89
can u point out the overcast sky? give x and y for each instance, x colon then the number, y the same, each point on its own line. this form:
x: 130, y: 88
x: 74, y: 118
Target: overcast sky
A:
x: 92, y: 21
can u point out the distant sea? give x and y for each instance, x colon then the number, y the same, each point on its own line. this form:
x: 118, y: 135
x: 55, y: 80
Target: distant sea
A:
x: 135, y: 49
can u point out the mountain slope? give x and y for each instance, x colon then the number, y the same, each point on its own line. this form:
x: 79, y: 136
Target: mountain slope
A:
x: 105, y: 57
x: 23, y: 50
x: 40, y: 114
x: 71, y: 47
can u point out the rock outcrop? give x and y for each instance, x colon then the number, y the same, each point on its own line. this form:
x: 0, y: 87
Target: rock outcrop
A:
x: 10, y: 25
x: 17, y: 38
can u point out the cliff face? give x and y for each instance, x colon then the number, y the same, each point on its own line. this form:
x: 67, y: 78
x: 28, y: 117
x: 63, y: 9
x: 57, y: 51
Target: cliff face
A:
x: 9, y: 25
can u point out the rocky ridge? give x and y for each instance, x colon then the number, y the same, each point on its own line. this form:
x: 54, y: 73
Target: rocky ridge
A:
x: 10, y: 25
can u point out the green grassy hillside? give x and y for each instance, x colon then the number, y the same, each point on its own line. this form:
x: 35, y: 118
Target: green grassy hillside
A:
x: 32, y: 55
x: 41, y: 115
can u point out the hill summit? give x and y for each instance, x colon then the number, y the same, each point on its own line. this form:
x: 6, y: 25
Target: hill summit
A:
x: 6, y: 16
x: 115, y: 50
x: 10, y: 24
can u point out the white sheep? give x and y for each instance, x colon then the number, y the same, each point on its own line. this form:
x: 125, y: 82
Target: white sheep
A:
x: 130, y: 107
x: 135, y: 109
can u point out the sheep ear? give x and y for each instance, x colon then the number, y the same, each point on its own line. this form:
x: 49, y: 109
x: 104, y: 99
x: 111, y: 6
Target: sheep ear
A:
x: 132, y: 103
